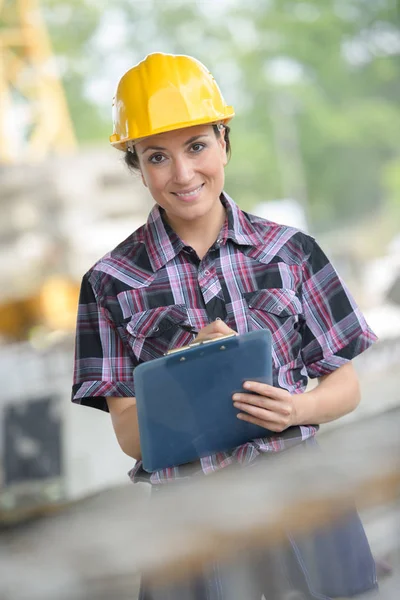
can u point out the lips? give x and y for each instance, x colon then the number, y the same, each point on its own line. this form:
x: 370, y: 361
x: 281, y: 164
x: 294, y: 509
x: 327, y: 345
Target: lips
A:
x: 188, y: 193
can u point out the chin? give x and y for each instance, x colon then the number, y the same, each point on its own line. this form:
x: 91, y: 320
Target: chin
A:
x: 197, y: 211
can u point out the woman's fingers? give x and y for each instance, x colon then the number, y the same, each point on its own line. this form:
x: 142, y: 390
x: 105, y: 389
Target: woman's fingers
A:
x: 270, y: 425
x: 279, y: 416
x: 274, y: 411
x: 266, y: 390
x: 213, y: 331
x: 267, y: 404
x: 219, y: 326
x: 210, y: 336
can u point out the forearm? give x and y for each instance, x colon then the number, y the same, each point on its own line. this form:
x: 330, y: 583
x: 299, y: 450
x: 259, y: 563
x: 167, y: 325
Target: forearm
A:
x: 125, y: 423
x: 335, y: 395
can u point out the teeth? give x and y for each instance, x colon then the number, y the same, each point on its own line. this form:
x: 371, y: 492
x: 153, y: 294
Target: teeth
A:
x: 190, y: 193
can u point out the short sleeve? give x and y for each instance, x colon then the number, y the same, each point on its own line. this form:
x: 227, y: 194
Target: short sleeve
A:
x: 103, y: 365
x: 334, y: 329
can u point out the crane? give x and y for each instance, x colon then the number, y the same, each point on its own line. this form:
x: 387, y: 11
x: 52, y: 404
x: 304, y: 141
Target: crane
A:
x: 34, y: 116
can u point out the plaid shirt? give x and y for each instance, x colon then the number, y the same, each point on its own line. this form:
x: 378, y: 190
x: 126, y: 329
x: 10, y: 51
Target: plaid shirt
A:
x: 257, y: 275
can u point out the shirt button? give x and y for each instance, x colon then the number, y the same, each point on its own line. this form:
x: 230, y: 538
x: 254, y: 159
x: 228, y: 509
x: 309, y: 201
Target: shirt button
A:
x: 156, y: 329
x: 206, y: 273
x: 280, y: 307
x: 219, y: 241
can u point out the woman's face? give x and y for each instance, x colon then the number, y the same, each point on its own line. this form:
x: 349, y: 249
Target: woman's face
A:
x: 184, y: 171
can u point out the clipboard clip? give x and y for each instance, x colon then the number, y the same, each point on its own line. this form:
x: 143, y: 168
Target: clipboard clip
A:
x: 202, y: 343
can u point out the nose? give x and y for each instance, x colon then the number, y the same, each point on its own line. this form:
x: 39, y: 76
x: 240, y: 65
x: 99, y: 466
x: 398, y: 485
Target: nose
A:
x: 183, y: 170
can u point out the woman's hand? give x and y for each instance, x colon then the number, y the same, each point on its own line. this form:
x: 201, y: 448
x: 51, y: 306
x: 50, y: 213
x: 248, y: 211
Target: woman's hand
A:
x: 265, y: 405
x: 213, y: 331
x: 336, y: 394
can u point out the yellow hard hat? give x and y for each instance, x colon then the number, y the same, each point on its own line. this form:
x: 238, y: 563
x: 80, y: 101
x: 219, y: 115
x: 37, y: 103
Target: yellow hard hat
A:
x: 162, y: 93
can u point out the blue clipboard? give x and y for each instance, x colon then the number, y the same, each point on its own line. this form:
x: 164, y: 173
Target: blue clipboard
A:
x: 184, y: 399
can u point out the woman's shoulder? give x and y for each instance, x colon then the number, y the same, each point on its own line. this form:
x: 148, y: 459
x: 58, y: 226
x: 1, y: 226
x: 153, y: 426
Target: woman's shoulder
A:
x: 127, y: 263
x: 282, y: 238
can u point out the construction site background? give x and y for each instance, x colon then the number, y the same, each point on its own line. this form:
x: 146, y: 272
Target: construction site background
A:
x: 313, y: 146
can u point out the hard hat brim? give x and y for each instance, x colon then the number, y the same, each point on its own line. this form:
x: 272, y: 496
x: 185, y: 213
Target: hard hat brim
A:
x: 121, y: 144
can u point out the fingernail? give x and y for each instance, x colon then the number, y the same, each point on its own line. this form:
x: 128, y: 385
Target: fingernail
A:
x: 247, y: 384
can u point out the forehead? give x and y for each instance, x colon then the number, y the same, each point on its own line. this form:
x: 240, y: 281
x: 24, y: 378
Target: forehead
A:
x: 176, y: 137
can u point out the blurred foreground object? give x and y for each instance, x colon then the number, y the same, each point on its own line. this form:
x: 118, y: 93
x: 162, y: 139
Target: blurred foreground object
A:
x: 216, y: 517
x: 34, y: 116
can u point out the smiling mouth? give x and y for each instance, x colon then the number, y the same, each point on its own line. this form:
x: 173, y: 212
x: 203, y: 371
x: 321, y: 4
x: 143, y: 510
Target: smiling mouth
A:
x: 188, y: 193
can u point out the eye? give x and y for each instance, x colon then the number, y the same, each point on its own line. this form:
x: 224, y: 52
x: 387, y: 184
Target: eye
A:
x: 197, y: 147
x: 156, y: 159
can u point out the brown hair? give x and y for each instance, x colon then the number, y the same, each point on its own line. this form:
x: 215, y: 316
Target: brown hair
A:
x: 132, y: 160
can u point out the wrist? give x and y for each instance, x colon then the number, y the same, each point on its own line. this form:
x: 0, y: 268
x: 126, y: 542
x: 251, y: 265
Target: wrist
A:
x: 304, y: 408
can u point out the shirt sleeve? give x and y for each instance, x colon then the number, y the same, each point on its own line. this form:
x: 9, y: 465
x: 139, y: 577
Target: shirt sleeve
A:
x: 334, y: 329
x: 103, y: 365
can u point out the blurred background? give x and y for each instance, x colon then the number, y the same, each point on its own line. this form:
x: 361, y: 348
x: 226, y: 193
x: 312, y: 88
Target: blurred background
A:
x: 316, y: 144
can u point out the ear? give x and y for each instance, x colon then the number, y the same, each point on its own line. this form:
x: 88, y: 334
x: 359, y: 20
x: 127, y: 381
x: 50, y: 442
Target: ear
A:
x: 222, y: 143
x: 224, y: 154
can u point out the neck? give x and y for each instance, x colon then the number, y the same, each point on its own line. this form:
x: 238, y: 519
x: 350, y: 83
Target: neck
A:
x: 201, y: 233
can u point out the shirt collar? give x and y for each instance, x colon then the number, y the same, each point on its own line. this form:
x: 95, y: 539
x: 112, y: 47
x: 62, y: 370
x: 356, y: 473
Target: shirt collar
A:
x: 163, y: 244
x: 238, y: 226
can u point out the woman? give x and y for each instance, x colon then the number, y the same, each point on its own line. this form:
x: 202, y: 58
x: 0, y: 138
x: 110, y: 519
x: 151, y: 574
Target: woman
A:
x: 201, y: 261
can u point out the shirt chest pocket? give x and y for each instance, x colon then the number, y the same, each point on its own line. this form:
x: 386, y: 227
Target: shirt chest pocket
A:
x: 153, y: 332
x: 280, y: 311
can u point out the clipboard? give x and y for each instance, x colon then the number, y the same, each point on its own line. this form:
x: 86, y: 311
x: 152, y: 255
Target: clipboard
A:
x: 184, y: 399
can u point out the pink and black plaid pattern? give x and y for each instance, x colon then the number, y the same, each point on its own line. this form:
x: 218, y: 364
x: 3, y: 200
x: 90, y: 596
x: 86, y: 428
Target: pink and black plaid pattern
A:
x: 146, y: 295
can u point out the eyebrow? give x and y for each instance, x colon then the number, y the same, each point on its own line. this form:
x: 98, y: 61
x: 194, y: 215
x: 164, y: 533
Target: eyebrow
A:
x: 187, y: 143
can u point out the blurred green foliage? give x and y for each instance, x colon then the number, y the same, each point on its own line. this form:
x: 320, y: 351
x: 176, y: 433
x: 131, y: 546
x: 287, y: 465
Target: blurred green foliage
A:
x: 315, y: 85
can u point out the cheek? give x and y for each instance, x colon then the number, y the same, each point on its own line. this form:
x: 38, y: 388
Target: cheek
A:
x: 218, y: 173
x: 154, y: 180
x: 214, y: 167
